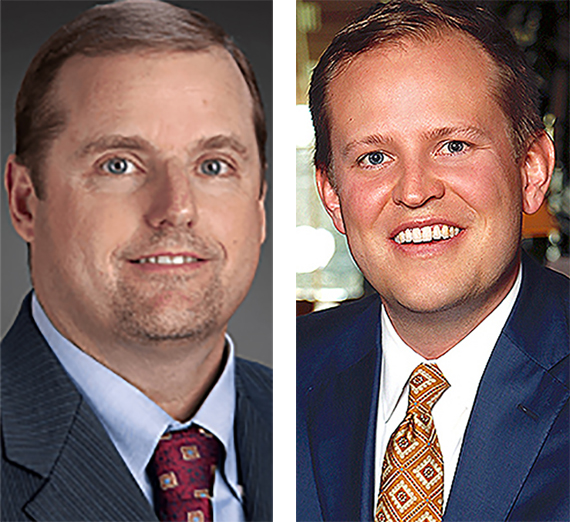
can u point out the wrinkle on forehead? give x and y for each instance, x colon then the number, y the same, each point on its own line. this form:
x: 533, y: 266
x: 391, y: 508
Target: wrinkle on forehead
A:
x: 76, y: 70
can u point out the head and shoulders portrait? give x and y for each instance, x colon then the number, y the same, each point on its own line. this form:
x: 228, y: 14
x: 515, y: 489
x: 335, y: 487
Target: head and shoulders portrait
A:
x: 139, y: 182
x: 430, y: 146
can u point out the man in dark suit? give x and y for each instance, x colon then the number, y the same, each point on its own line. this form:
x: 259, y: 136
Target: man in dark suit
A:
x: 445, y: 395
x: 138, y: 184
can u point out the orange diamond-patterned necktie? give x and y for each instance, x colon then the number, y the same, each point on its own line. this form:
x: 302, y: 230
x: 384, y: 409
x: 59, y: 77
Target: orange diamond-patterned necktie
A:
x: 411, y: 488
x: 183, y: 468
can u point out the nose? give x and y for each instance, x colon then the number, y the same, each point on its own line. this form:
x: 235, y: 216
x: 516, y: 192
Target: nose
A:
x: 416, y: 185
x: 172, y: 201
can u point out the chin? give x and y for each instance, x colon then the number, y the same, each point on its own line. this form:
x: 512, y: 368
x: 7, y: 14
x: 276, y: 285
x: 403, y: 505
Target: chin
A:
x: 172, y: 326
x: 169, y: 314
x: 426, y: 300
x: 169, y: 320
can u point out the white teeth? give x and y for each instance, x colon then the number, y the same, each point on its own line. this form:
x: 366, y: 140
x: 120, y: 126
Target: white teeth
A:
x: 426, y: 234
x: 436, y: 232
x: 168, y: 260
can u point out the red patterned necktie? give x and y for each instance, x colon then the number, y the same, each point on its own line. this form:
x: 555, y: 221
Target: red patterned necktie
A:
x: 184, y: 464
x: 411, y: 488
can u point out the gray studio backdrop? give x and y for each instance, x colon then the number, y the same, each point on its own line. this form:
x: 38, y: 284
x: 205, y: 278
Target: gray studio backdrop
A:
x: 25, y: 26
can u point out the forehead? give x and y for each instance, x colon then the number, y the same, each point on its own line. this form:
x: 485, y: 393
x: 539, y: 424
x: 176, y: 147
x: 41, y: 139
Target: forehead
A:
x: 411, y: 91
x: 448, y: 64
x: 161, y: 92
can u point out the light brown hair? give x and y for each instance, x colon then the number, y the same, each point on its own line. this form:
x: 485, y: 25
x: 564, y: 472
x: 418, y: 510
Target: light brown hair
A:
x: 121, y: 27
x: 516, y: 91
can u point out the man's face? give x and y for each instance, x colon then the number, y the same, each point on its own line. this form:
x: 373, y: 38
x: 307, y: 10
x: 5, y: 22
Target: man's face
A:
x: 428, y: 192
x: 153, y: 217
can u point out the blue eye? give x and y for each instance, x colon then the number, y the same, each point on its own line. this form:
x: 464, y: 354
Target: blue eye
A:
x: 372, y: 159
x: 455, y: 147
x: 118, y: 166
x: 213, y: 167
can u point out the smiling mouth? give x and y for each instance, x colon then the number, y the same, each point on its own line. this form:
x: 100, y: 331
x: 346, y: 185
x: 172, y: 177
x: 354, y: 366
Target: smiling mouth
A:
x: 167, y: 260
x: 426, y: 234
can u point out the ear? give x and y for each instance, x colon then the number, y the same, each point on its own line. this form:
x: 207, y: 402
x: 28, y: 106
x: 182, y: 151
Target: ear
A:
x: 330, y: 199
x: 536, y: 172
x: 22, y: 199
x: 261, y: 203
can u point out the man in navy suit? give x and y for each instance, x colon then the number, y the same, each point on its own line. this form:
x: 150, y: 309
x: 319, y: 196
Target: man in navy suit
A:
x: 138, y: 184
x: 429, y: 146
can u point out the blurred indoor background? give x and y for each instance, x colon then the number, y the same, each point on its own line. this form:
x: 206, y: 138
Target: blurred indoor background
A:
x: 326, y: 273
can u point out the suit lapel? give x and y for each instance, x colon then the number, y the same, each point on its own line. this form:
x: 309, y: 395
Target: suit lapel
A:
x: 341, y: 420
x: 519, y: 397
x: 515, y: 407
x: 254, y: 440
x: 89, y: 480
x: 50, y: 431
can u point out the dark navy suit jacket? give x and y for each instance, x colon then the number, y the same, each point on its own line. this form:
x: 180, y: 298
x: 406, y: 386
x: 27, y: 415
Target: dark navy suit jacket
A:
x: 58, y: 462
x: 514, y: 461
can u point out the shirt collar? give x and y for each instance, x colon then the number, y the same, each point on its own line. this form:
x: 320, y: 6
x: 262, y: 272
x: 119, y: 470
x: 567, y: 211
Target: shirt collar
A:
x: 133, y: 421
x: 473, y: 352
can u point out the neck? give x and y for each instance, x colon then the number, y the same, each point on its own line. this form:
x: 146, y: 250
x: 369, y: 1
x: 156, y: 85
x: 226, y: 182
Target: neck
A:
x: 176, y: 374
x: 179, y: 382
x: 433, y: 333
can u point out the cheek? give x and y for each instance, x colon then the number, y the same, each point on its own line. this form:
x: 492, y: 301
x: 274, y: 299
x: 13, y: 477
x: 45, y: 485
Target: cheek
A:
x: 241, y: 241
x: 88, y: 231
x: 56, y: 223
x: 362, y: 201
x: 490, y: 187
x: 235, y: 222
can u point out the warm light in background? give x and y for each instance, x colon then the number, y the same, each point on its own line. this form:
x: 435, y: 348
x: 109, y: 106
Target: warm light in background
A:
x: 304, y: 134
x: 326, y: 273
x: 315, y: 248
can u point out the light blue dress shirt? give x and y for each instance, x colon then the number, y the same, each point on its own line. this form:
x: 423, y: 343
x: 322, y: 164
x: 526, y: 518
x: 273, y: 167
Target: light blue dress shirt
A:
x: 135, y: 423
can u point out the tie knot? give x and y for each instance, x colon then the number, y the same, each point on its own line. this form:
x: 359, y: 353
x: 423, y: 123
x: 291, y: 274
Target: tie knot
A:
x: 191, y: 444
x: 427, y: 384
x: 183, y: 468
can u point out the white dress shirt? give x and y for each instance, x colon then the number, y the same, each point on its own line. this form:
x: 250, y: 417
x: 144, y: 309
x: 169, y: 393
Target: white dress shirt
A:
x: 462, y: 366
x: 135, y: 423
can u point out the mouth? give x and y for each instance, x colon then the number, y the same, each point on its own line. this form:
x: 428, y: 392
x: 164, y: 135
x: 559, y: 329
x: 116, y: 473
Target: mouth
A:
x: 167, y: 259
x: 426, y: 234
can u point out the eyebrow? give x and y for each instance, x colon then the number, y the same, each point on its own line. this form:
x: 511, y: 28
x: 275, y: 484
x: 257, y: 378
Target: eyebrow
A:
x: 379, y: 139
x: 136, y: 143
x: 467, y: 131
x: 372, y: 139
x: 114, y: 142
x: 222, y: 141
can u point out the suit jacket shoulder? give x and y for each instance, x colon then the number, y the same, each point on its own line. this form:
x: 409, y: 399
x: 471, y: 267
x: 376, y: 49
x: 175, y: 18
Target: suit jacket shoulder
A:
x: 255, y: 381
x: 323, y: 338
x: 338, y: 369
x: 58, y: 462
x: 539, y: 322
x: 515, y: 452
x: 514, y: 458
x: 254, y: 437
